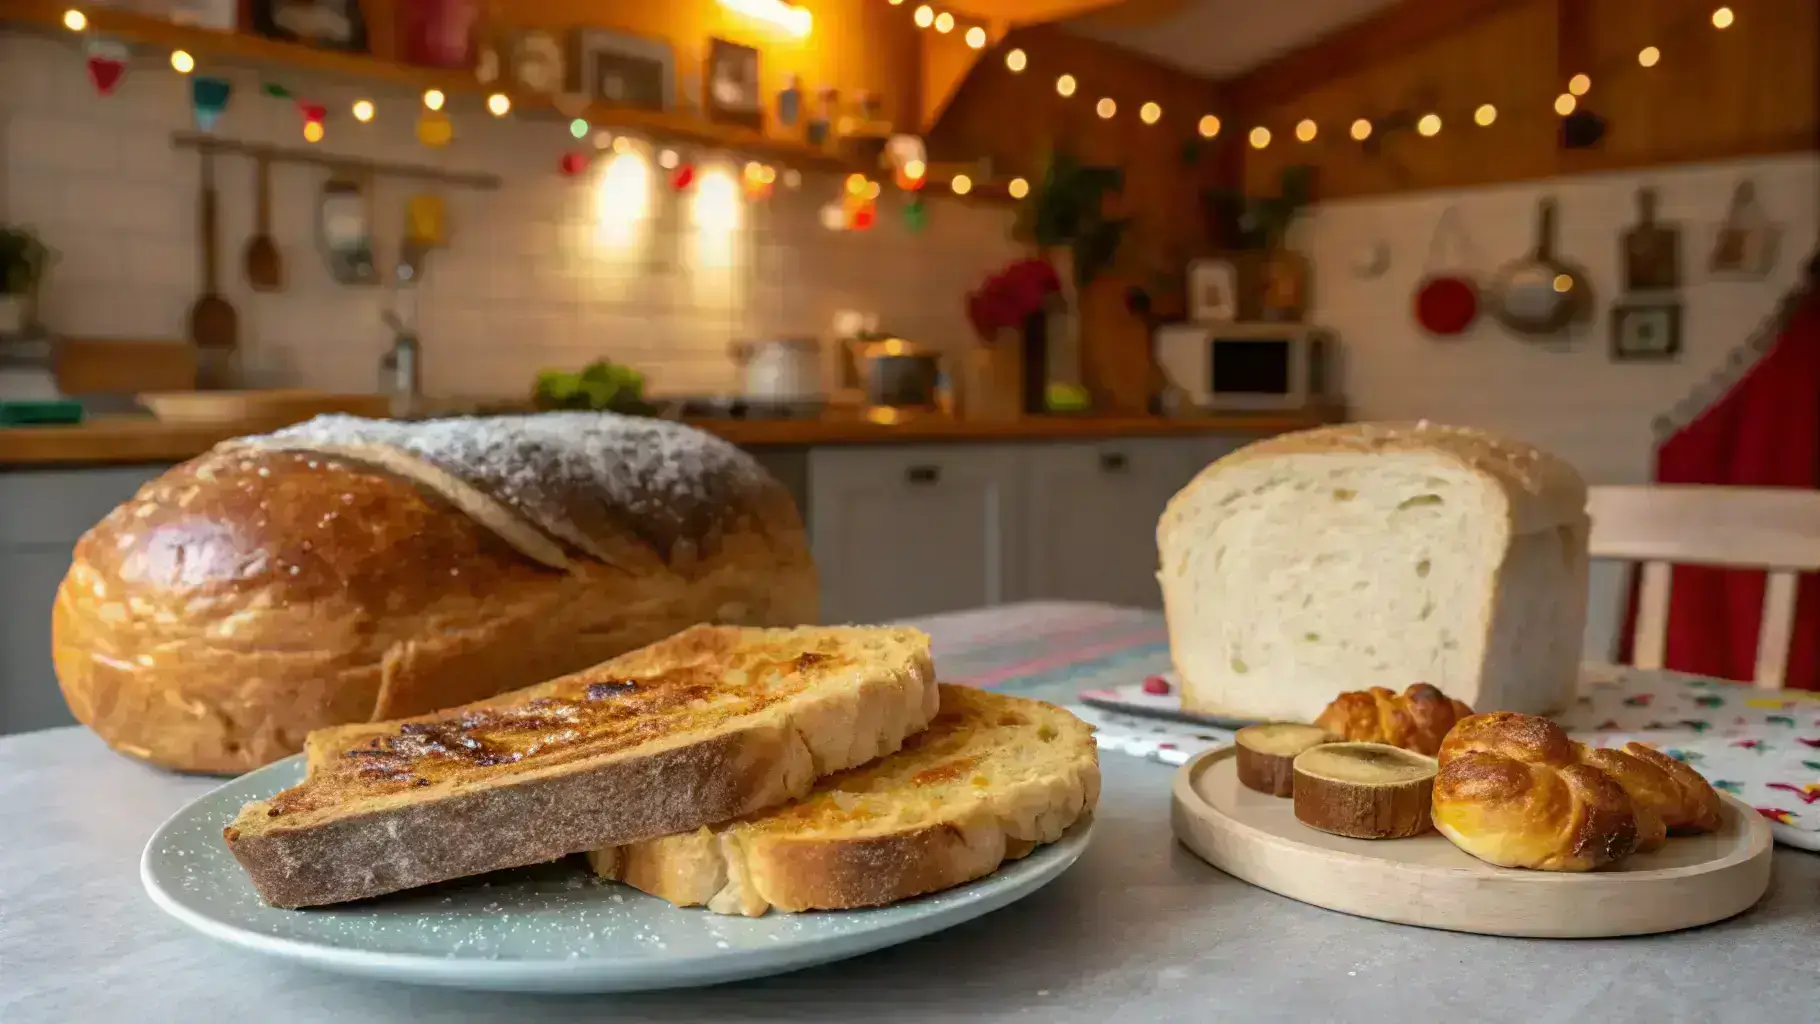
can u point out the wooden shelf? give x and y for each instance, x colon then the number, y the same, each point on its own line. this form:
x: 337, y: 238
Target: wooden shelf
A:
x: 247, y: 49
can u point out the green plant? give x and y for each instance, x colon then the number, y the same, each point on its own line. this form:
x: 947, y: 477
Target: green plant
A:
x: 1067, y: 208
x: 23, y: 260
x: 1260, y: 222
x: 602, y: 386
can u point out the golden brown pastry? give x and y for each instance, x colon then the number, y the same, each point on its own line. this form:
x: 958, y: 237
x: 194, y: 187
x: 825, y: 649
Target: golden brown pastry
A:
x: 1417, y: 720
x: 1512, y: 791
x: 1671, y: 798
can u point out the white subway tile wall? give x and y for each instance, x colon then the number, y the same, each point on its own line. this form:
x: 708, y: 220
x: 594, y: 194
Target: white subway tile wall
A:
x: 547, y: 271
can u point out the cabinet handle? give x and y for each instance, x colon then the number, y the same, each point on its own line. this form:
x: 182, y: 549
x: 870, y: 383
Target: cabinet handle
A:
x: 923, y: 474
x: 1113, y: 462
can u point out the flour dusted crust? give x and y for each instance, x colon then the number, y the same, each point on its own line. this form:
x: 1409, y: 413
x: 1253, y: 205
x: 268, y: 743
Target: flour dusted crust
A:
x: 989, y: 780
x: 349, y: 570
x: 1347, y: 557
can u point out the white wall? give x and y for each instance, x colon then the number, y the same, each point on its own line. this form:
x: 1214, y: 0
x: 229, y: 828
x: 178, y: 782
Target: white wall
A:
x: 532, y: 278
x: 1571, y: 399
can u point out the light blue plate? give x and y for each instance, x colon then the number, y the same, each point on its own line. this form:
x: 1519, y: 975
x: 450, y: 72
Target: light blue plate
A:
x: 551, y: 928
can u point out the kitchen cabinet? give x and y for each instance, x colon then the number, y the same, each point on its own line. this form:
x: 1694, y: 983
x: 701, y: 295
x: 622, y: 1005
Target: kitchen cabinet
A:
x: 42, y: 515
x: 1090, y: 518
x: 898, y: 532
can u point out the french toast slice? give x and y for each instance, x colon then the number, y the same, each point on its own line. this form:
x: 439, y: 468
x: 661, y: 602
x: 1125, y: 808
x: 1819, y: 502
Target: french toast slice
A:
x: 707, y: 725
x: 989, y: 780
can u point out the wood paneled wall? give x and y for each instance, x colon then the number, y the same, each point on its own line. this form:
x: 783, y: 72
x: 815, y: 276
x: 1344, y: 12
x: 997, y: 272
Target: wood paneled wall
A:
x: 1751, y: 88
x: 1013, y: 118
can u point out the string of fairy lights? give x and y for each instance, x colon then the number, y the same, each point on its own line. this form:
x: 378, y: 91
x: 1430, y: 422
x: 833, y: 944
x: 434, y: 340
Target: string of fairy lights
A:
x: 1570, y: 104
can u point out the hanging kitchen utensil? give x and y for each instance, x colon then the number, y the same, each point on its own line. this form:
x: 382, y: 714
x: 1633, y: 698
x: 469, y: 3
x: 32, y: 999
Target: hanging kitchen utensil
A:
x: 426, y: 220
x: 1541, y: 295
x: 1745, y: 245
x: 1652, y: 250
x: 264, y: 265
x: 1447, y: 302
x: 345, y: 228
x: 214, y: 326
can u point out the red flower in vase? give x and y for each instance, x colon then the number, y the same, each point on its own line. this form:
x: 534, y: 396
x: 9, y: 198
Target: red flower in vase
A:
x: 1012, y: 296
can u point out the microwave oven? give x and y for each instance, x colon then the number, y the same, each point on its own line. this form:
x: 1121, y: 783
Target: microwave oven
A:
x: 1249, y: 366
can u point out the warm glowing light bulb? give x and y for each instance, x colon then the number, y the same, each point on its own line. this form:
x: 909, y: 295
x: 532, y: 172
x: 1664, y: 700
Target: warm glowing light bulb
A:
x: 1579, y: 85
x: 1019, y: 188
x: 914, y: 169
x: 1361, y: 129
x: 1065, y: 85
x: 944, y: 23
x: 1565, y: 104
x: 363, y: 111
x: 1485, y: 115
x: 1564, y: 283
x: 976, y: 37
x: 622, y: 146
x: 668, y: 159
x: 1150, y: 113
x: 924, y: 16
x: 767, y: 174
x: 1722, y: 18
x: 1209, y: 126
x: 1106, y: 107
x: 312, y: 131
x: 961, y: 184
x: 1016, y: 61
x: 499, y: 104
x: 856, y: 184
x: 1260, y: 137
x: 182, y: 61
x: 793, y: 178
x: 1648, y: 56
x: 434, y: 99
x: 1306, y: 130
x: 873, y: 189
x: 1429, y: 125
x: 75, y: 20
x: 603, y: 140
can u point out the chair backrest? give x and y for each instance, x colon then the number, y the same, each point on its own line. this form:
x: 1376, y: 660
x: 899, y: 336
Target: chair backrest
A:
x: 1772, y: 528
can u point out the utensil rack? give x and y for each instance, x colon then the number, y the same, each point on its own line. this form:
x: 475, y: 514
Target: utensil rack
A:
x: 205, y: 143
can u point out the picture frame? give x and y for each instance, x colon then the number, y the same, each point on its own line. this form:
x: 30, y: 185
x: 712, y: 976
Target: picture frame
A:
x: 622, y: 70
x: 731, y: 93
x: 322, y: 24
x: 1646, y: 331
x: 1213, y: 290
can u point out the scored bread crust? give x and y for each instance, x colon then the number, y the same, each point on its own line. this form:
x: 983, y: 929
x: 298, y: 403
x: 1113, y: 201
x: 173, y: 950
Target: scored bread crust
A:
x: 795, y: 858
x: 291, y: 582
x: 337, y: 837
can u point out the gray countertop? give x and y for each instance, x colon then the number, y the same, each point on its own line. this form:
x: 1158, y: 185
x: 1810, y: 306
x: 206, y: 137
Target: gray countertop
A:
x: 1139, y: 930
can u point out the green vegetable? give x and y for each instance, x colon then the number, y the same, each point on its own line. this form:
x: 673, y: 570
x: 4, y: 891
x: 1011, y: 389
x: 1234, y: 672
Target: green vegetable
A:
x: 602, y: 386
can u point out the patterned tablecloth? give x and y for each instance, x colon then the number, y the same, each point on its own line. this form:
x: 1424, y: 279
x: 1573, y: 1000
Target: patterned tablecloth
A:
x: 1762, y: 747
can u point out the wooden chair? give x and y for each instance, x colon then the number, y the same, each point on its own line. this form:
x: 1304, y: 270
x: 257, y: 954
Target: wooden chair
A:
x: 1777, y: 529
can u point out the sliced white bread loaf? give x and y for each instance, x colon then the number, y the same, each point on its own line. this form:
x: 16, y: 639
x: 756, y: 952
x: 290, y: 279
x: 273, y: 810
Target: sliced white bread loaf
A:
x: 989, y: 780
x: 1376, y: 554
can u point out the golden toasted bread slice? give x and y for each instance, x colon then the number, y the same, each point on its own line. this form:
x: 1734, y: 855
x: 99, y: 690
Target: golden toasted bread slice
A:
x: 989, y: 780
x: 710, y: 724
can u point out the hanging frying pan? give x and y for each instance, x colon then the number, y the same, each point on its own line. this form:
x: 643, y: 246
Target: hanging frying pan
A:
x: 1541, y: 295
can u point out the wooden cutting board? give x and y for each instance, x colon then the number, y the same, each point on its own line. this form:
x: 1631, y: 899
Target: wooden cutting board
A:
x: 1427, y: 881
x: 257, y: 407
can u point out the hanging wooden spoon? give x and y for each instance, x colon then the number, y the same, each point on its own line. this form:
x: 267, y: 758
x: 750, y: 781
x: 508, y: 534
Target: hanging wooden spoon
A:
x: 214, y: 326
x: 264, y: 266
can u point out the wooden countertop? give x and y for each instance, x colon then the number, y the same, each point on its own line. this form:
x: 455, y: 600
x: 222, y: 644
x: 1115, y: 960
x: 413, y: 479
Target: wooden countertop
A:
x: 119, y: 440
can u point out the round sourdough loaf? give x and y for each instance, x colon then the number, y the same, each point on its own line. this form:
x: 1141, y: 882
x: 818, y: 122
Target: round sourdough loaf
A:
x: 348, y: 570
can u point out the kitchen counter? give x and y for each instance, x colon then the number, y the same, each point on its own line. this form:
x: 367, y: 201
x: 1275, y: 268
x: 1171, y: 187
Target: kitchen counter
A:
x: 1139, y: 930
x: 137, y: 439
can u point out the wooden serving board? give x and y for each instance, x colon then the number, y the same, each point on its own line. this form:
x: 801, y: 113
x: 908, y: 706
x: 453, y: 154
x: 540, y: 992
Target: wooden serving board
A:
x: 1427, y: 881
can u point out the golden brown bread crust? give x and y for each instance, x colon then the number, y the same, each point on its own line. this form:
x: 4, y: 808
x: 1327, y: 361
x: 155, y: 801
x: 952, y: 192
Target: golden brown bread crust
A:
x: 707, y: 725
x: 1418, y: 719
x: 1512, y: 792
x: 254, y: 594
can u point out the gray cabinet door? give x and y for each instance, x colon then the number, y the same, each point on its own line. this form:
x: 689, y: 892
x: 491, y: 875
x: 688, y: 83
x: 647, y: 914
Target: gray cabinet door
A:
x: 42, y: 515
x: 1091, y: 519
x: 898, y: 532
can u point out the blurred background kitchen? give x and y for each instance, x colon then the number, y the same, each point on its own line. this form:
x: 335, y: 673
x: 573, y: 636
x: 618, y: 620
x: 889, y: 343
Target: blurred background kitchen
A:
x: 983, y: 281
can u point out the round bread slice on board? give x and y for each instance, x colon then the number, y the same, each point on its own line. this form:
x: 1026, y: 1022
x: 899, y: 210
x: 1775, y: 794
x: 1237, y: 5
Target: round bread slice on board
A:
x: 1267, y: 753
x: 1364, y: 790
